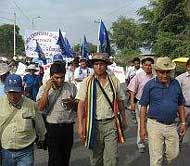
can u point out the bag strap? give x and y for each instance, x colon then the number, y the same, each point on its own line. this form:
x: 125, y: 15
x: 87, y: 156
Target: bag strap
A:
x: 56, y: 96
x: 6, y: 122
x: 105, y: 94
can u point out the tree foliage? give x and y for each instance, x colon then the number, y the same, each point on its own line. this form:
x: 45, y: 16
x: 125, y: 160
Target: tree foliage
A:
x: 125, y: 34
x: 164, y: 27
x: 7, y: 40
x: 92, y: 48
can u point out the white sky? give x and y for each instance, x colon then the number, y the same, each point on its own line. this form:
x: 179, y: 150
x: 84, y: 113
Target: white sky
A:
x: 75, y: 17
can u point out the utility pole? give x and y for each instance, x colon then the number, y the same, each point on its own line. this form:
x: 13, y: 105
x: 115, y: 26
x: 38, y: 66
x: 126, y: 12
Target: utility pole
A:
x: 14, y: 44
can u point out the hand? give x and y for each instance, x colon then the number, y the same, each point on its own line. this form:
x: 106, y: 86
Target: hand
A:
x: 81, y: 133
x: 133, y: 106
x: 68, y: 103
x: 143, y: 134
x: 182, y: 130
x: 49, y: 84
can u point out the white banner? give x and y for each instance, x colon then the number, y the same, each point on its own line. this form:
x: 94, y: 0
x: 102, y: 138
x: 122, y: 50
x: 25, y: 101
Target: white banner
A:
x: 46, y: 39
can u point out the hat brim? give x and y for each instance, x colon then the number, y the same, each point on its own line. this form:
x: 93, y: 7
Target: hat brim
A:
x: 13, y: 89
x: 165, y: 69
x: 92, y: 61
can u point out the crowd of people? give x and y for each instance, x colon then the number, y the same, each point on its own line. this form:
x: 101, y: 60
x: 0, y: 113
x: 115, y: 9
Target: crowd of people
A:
x: 43, y: 110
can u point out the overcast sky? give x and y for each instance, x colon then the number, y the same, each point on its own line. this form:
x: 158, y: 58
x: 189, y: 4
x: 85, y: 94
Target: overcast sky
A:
x: 75, y: 17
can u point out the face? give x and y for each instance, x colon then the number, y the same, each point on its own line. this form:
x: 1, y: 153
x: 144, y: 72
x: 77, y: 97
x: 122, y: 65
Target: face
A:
x: 14, y: 97
x: 58, y: 79
x: 83, y: 65
x: 100, y: 68
x: 137, y: 64
x: 147, y: 67
x: 188, y: 67
x: 164, y: 76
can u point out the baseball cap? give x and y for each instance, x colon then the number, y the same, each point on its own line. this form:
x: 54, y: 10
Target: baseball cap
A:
x: 13, y: 83
x: 57, y: 58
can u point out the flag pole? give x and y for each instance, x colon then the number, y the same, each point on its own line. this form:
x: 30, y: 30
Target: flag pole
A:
x: 14, y: 40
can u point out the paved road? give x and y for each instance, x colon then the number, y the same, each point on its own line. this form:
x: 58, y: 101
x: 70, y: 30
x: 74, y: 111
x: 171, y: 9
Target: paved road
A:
x: 128, y: 153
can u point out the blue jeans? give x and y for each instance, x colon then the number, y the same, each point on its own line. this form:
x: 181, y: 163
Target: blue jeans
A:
x: 24, y: 157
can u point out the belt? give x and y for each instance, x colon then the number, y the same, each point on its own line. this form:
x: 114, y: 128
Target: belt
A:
x: 163, y: 122
x: 104, y: 120
x: 18, y: 150
x: 60, y: 124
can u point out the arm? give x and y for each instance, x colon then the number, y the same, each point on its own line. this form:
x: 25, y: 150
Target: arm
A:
x: 143, y: 129
x: 182, y: 120
x: 132, y: 101
x: 80, y: 118
x: 43, y: 101
x: 122, y: 111
x: 39, y: 126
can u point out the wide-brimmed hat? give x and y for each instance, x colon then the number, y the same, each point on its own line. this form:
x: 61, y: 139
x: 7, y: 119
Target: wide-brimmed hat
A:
x: 13, y: 83
x: 4, y: 68
x: 164, y: 63
x: 104, y: 57
x: 31, y: 67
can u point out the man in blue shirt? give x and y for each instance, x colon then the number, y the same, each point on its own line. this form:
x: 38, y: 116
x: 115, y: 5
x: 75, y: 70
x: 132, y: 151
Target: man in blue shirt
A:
x: 163, y: 96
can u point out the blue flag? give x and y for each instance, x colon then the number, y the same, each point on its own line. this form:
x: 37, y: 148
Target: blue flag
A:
x: 104, y: 39
x: 61, y: 43
x: 69, y: 52
x: 41, y: 55
x: 85, y: 49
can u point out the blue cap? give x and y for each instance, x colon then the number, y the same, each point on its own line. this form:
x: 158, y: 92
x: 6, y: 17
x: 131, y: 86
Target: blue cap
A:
x: 13, y: 83
x: 57, y: 58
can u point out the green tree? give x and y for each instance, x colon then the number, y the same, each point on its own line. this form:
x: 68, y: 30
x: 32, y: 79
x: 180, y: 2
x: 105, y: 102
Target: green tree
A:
x: 7, y: 40
x: 92, y: 48
x: 164, y: 25
x: 125, y: 34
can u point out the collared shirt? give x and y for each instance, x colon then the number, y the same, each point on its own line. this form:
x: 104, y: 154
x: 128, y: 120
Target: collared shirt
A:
x: 103, y: 109
x: 163, y: 100
x: 136, y: 85
x: 22, y: 129
x: 59, y: 114
x: 184, y: 81
x: 131, y: 72
x: 81, y: 73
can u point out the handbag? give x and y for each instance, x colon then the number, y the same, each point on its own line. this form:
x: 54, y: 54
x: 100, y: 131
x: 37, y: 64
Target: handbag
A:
x: 6, y: 122
x: 117, y: 117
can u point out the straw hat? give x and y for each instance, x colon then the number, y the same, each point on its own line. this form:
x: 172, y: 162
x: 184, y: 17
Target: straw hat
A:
x: 164, y: 63
x: 4, y: 68
x: 104, y: 57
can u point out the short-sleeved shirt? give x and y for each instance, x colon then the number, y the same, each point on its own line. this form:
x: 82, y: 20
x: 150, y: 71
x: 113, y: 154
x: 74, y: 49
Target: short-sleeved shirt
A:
x: 58, y: 113
x: 184, y: 81
x: 81, y: 73
x: 22, y: 129
x: 163, y: 100
x: 103, y: 109
x: 137, y: 83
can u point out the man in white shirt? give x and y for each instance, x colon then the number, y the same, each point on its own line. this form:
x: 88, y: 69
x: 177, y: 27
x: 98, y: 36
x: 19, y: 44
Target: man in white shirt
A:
x: 82, y: 71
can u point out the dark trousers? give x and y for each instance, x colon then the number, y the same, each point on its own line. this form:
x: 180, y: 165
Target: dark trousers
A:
x: 59, y: 142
